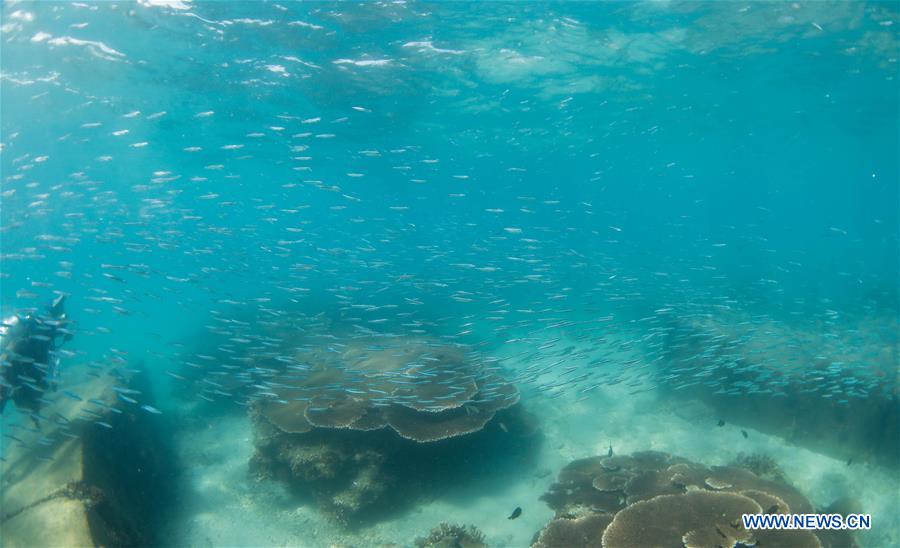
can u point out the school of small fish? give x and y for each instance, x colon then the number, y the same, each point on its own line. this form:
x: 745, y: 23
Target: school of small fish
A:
x: 278, y: 203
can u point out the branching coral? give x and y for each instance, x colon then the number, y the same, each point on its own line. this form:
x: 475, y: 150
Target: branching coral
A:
x: 453, y: 536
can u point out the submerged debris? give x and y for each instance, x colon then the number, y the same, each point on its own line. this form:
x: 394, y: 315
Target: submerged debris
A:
x: 106, y: 482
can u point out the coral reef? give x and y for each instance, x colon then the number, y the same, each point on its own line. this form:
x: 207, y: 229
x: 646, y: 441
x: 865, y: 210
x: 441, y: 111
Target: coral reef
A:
x: 564, y: 532
x: 762, y: 465
x: 354, y: 424
x: 453, y: 536
x: 425, y: 392
x: 656, y: 499
x: 695, y: 519
x: 608, y: 484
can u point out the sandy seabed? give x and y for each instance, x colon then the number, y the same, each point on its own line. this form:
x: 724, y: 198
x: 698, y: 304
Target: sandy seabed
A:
x: 221, y: 505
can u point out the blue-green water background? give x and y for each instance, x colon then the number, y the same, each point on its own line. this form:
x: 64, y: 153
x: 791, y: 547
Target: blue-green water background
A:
x: 645, y: 155
x: 497, y: 174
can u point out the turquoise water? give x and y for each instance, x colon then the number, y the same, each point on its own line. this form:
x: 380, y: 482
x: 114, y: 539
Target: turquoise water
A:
x: 570, y: 190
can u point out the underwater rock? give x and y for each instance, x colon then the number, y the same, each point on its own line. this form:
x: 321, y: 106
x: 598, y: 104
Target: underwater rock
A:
x: 93, y: 485
x: 366, y: 419
x: 453, y: 536
x: 837, y: 538
x: 857, y: 417
x: 607, y: 487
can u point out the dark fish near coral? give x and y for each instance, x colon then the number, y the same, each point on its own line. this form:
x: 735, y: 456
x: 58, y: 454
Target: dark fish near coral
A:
x: 610, y: 452
x: 516, y: 513
x: 744, y: 433
x: 721, y: 422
